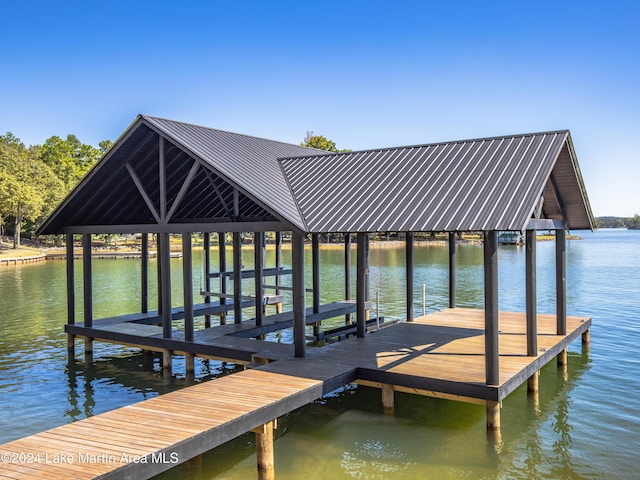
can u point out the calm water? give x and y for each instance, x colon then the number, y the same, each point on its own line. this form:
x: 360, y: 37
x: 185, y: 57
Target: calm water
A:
x: 587, y: 426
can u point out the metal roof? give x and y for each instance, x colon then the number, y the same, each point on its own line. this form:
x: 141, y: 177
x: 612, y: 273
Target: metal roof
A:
x: 482, y: 184
x: 108, y: 195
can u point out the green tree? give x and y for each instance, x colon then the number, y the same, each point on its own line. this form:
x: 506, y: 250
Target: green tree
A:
x: 29, y: 189
x: 321, y: 143
x: 634, y: 223
x: 70, y: 159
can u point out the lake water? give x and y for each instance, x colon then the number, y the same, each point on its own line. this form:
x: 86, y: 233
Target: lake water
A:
x: 586, y: 426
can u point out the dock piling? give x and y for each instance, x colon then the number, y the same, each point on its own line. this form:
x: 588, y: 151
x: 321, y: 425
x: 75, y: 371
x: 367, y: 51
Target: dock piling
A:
x: 264, y: 451
x: 388, y: 399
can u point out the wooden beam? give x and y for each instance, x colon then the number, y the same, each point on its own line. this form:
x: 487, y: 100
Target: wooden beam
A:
x: 71, y: 286
x: 544, y: 224
x: 87, y: 279
x: 561, y: 282
x: 347, y: 273
x: 264, y: 452
x: 183, y: 189
x: 143, y: 193
x: 206, y: 245
x: 409, y: 274
x: 362, y: 271
x: 144, y: 274
x: 162, y: 178
x: 452, y: 270
x: 315, y: 267
x: 159, y: 274
x: 222, y: 267
x: 531, y: 296
x: 299, y: 308
x: 164, y: 259
x: 237, y: 277
x: 492, y: 371
x: 187, y: 286
x: 71, y: 295
x: 208, y: 225
x: 278, y: 265
x: 258, y: 264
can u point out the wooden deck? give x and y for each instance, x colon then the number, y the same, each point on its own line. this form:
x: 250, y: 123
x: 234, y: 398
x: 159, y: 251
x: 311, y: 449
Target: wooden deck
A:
x: 441, y: 354
x: 232, y: 342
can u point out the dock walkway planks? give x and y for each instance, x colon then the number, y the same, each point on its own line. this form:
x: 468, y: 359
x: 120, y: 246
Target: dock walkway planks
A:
x: 441, y: 354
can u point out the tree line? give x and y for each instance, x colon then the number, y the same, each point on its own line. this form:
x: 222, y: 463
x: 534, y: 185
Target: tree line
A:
x: 619, y: 222
x: 35, y: 179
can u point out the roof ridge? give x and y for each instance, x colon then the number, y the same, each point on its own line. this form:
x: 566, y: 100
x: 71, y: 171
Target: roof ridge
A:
x: 435, y: 144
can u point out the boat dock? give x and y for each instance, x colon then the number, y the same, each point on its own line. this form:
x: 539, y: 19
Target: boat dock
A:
x: 439, y: 355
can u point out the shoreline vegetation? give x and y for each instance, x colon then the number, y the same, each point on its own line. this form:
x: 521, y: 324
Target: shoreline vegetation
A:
x: 130, y: 246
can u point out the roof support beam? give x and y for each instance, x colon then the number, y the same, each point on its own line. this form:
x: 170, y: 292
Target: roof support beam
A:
x: 183, y: 189
x: 362, y: 272
x: 218, y: 194
x: 256, y: 226
x: 531, y: 295
x: 299, y: 307
x: 143, y: 193
x: 544, y: 224
x: 409, y: 274
x: 492, y: 371
x: 162, y: 179
x: 561, y: 282
x: 556, y: 193
x: 452, y: 270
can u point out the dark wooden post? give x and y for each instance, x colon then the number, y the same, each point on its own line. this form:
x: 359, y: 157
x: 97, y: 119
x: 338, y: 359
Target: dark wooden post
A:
x: 561, y: 282
x: 278, y: 265
x: 315, y: 264
x: 531, y: 297
x: 187, y: 284
x: 362, y: 271
x: 71, y: 295
x: 347, y: 273
x: 409, y: 274
x: 258, y: 262
x: 206, y: 246
x: 159, y: 273
x: 222, y: 260
x: 299, y: 308
x: 87, y: 288
x: 491, y: 308
x: 237, y: 277
x: 452, y: 270
x: 144, y: 274
x: 315, y: 268
x: 561, y: 291
x: 164, y: 258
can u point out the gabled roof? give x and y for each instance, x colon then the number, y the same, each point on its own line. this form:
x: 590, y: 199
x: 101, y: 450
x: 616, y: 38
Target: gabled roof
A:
x: 109, y: 196
x: 215, y: 180
x: 482, y: 184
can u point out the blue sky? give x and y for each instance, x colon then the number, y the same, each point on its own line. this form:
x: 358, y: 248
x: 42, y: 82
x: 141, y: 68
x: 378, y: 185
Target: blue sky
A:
x: 362, y: 73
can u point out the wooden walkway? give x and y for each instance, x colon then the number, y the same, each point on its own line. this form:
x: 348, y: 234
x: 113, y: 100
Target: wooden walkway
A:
x: 441, y: 354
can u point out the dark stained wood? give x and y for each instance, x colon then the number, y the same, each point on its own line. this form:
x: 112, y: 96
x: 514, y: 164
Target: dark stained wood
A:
x: 347, y: 273
x: 492, y: 369
x: 164, y: 259
x: 561, y: 282
x: 144, y: 274
x: 531, y: 296
x: 315, y: 268
x: 278, y: 259
x: 187, y: 286
x: 266, y: 272
x: 452, y: 270
x: 409, y: 274
x: 71, y: 285
x: 361, y: 283
x: 258, y: 265
x: 299, y: 307
x: 87, y: 279
x: 237, y: 277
